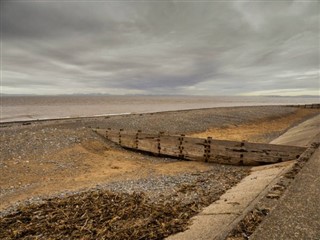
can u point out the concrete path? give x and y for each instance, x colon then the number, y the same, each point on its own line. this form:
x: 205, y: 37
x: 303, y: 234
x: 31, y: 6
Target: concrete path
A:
x: 297, y: 216
x: 218, y: 219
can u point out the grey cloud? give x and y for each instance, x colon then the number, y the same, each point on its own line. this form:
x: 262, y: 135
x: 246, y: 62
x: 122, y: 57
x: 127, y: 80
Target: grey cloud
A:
x: 53, y: 19
x: 230, y: 47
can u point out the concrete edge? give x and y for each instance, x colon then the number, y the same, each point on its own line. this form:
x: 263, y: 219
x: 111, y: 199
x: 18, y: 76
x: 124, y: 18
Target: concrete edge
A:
x: 254, y: 202
x: 224, y: 214
x: 285, y: 182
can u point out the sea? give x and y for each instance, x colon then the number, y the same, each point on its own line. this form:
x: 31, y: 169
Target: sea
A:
x: 27, y: 108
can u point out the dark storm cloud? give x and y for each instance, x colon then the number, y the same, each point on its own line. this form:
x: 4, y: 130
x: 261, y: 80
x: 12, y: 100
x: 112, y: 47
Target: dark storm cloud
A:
x: 231, y: 47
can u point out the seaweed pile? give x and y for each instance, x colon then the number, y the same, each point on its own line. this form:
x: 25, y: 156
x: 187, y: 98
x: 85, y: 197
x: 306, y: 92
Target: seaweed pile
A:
x: 105, y: 214
x: 102, y: 214
x: 97, y: 214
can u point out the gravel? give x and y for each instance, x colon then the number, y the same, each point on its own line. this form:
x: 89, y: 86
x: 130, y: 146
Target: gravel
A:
x: 182, y: 122
x: 217, y: 180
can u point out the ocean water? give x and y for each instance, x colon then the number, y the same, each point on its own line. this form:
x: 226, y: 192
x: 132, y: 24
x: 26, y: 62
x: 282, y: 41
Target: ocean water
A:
x: 22, y: 108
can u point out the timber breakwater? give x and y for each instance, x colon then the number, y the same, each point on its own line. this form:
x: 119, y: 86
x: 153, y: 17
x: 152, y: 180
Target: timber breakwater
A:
x: 206, y: 150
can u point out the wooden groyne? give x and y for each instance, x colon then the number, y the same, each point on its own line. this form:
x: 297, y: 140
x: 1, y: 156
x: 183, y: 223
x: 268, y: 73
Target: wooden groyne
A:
x: 207, y: 150
x: 314, y: 106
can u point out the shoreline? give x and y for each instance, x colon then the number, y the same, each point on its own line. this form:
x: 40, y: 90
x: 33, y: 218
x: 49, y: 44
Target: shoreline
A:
x: 65, y: 118
x: 149, y: 112
x: 33, y: 108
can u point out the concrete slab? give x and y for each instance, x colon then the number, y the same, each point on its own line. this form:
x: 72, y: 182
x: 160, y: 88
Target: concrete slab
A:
x: 216, y: 220
x: 238, y: 198
x: 301, y: 134
x: 205, y: 227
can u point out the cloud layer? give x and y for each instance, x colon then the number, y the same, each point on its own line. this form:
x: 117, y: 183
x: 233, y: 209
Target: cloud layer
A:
x: 160, y: 47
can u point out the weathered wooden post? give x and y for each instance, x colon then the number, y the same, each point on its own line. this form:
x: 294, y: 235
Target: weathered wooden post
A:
x: 207, y: 148
x: 107, y: 133
x: 120, y: 136
x: 159, y: 142
x: 137, y: 139
x: 181, y: 139
x: 242, y: 150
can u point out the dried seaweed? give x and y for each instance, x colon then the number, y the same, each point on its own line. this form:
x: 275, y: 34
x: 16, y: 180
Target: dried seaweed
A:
x: 104, y: 214
x: 98, y: 214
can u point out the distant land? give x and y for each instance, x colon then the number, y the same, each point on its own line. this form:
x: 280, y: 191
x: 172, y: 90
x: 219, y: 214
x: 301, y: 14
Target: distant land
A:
x: 155, y: 95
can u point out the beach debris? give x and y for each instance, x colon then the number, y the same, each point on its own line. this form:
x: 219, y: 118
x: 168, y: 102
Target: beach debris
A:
x: 96, y: 215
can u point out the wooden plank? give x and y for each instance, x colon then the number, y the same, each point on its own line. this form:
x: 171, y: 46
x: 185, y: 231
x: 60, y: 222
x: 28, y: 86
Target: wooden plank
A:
x: 196, y: 141
x: 261, y: 146
x: 113, y: 136
x: 193, y: 150
x: 128, y: 141
x: 256, y: 153
x: 252, y: 156
x: 148, y: 142
x: 169, y: 145
x: 275, y: 147
x: 223, y: 159
x: 267, y: 149
x: 101, y: 132
x: 112, y: 131
x: 248, y: 158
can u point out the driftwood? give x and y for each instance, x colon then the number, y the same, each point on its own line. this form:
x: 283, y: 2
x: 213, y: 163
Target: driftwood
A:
x: 207, y: 150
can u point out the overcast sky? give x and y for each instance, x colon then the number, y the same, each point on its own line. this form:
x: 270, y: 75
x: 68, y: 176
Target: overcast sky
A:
x: 160, y: 47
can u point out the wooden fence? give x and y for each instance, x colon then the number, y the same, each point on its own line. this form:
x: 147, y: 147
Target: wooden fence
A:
x: 199, y: 149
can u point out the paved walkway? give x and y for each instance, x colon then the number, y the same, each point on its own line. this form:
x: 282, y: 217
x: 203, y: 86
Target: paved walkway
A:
x: 296, y: 216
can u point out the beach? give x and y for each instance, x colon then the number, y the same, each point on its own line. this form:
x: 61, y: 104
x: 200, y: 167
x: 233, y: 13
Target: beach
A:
x: 64, y: 159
